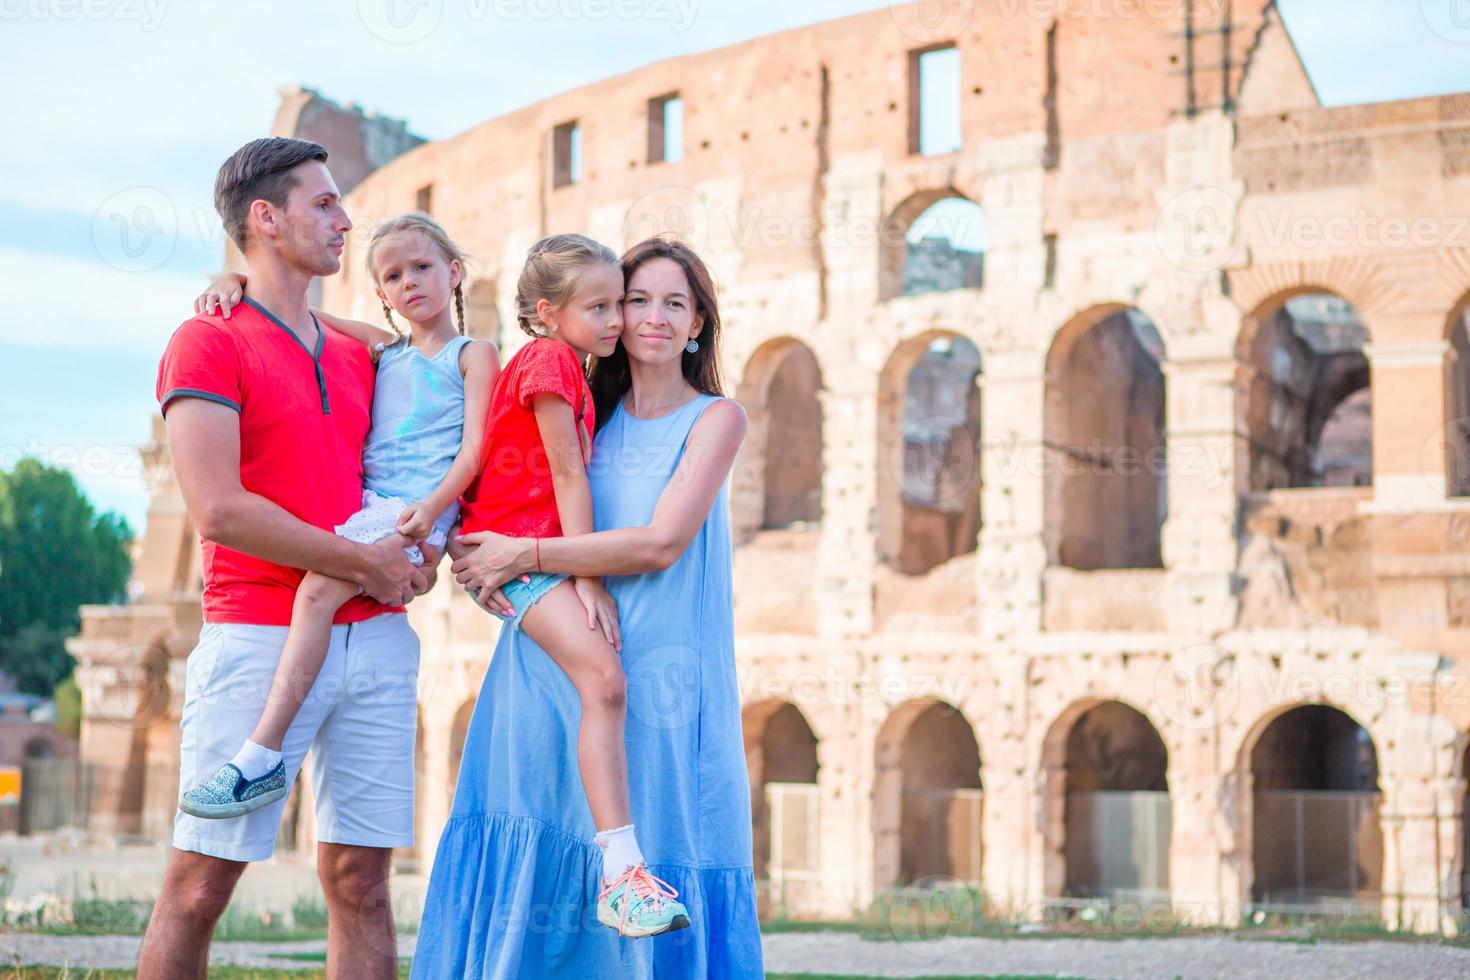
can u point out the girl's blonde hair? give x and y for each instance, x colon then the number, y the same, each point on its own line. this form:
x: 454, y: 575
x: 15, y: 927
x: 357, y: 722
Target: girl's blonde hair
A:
x: 553, y: 267
x: 430, y: 229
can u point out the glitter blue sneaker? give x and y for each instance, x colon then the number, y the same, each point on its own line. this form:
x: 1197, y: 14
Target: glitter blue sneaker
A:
x: 229, y: 794
x: 637, y: 904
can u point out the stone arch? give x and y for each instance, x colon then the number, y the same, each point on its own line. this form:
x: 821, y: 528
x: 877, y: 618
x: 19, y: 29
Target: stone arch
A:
x: 781, y: 391
x: 457, y: 734
x: 1309, y: 804
x: 481, y: 314
x: 926, y: 796
x: 1457, y: 401
x: 1106, y: 810
x: 929, y: 452
x: 1304, y: 397
x: 782, y: 761
x: 950, y: 251
x: 38, y: 747
x: 1106, y: 472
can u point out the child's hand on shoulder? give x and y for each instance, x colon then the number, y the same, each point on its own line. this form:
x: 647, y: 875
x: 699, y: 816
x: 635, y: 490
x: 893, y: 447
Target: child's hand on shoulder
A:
x: 416, y: 521
x: 222, y: 295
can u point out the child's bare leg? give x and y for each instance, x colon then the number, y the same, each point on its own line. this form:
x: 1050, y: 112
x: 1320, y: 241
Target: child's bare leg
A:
x: 317, y: 601
x: 558, y: 623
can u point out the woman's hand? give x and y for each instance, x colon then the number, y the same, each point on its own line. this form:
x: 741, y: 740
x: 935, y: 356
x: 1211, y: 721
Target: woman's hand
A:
x: 485, y: 561
x: 494, y: 560
x: 602, y: 611
x: 222, y: 295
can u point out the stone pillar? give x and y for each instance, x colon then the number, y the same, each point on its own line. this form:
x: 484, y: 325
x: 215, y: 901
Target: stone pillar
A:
x: 1412, y: 530
x: 747, y: 483
x: 433, y: 792
x: 123, y: 671
x: 1007, y: 774
x: 847, y: 564
x: 1408, y: 402
x: 844, y: 799
x: 1199, y: 831
x: 1199, y: 546
x: 1420, y: 803
x: 1012, y: 555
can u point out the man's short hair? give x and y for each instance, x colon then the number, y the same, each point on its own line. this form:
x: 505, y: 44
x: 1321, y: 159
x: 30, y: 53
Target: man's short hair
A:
x: 259, y: 171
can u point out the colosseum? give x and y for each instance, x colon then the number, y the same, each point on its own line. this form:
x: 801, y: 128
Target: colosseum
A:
x: 1101, y: 520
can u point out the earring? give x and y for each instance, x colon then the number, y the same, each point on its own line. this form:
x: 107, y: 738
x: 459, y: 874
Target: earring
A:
x: 693, y: 346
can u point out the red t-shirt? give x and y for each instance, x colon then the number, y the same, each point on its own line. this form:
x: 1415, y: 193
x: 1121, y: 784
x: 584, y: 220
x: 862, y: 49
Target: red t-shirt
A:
x: 513, y: 493
x: 303, y: 418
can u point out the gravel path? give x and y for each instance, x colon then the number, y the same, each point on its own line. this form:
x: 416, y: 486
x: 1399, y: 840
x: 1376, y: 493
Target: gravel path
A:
x: 1192, y: 958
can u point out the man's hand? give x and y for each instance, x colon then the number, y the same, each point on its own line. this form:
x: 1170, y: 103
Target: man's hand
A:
x: 602, y: 611
x: 425, y: 575
x: 387, y: 574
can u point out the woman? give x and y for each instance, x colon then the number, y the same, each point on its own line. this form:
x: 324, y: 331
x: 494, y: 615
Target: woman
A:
x: 516, y: 877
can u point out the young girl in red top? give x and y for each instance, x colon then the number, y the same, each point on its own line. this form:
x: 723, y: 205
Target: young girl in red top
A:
x: 533, y: 484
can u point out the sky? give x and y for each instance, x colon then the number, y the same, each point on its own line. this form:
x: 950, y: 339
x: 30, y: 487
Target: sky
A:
x: 122, y: 110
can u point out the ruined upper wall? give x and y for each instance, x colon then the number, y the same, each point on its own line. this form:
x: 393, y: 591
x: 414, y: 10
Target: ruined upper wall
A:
x: 772, y: 126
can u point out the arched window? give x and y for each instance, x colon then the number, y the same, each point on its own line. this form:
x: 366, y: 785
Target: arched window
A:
x: 929, y: 430
x: 1106, y: 473
x: 1307, y: 401
x: 933, y: 242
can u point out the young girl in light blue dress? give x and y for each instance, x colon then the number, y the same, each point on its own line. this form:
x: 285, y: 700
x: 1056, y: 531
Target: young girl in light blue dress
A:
x: 429, y: 400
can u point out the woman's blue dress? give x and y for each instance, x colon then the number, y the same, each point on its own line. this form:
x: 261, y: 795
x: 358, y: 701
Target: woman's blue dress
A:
x: 516, y: 877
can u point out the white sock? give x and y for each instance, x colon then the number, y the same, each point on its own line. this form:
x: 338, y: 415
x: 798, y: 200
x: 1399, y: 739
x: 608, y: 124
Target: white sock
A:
x: 255, y: 761
x: 619, y: 851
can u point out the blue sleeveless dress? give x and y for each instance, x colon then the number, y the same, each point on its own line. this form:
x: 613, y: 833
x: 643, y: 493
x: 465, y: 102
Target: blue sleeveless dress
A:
x: 516, y: 876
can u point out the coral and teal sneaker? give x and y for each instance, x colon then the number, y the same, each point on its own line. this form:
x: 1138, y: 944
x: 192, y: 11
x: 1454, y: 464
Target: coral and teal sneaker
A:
x: 637, y: 904
x: 229, y: 794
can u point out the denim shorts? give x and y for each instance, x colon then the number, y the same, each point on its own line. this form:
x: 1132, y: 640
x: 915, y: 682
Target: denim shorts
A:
x: 523, y: 595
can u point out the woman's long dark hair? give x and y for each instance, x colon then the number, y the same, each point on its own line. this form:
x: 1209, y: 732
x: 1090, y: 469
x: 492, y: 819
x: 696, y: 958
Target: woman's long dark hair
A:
x: 610, y: 377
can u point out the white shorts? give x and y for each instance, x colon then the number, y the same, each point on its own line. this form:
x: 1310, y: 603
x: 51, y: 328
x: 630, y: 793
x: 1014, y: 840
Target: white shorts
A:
x: 359, y: 721
x: 378, y: 518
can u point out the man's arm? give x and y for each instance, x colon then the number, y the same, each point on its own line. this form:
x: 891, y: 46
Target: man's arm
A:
x: 204, y: 440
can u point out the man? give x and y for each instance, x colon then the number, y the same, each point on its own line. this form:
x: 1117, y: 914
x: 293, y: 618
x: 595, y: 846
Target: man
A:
x: 266, y: 415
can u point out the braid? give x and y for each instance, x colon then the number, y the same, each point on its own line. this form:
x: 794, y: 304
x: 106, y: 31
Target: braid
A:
x: 459, y: 309
x: 392, y: 325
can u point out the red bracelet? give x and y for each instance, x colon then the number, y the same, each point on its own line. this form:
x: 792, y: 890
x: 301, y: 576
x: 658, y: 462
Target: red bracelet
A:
x: 538, y: 554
